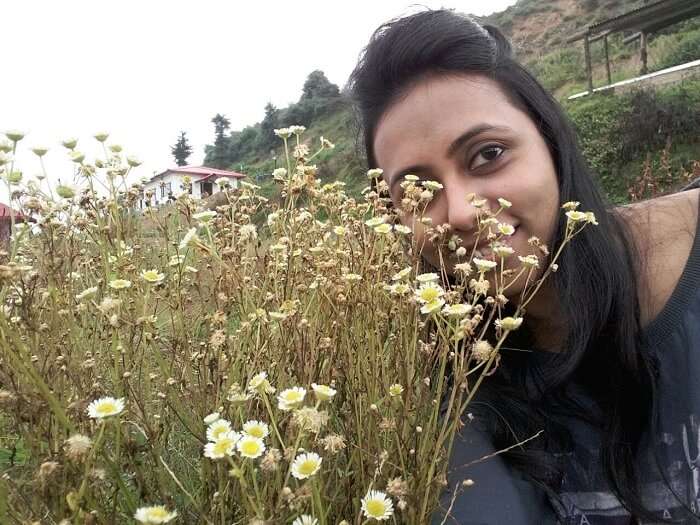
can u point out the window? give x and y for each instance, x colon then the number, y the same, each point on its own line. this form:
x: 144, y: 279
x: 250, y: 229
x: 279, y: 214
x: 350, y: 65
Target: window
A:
x: 165, y: 188
x: 205, y: 188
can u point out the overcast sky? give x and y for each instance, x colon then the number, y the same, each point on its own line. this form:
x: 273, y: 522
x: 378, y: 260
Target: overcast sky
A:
x: 143, y: 70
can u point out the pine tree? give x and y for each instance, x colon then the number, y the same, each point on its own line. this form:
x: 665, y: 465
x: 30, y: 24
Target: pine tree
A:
x: 267, y: 138
x: 219, y: 154
x: 181, y: 150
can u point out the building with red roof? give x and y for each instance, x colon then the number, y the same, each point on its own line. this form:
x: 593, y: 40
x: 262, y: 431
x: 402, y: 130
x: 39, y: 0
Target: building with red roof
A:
x: 168, y: 184
x: 6, y: 221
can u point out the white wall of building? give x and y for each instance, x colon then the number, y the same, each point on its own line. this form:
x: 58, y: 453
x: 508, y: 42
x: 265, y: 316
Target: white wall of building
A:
x: 172, y: 182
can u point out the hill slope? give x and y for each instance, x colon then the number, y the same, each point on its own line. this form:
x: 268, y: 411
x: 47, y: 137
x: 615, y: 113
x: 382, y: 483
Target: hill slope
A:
x: 559, y: 66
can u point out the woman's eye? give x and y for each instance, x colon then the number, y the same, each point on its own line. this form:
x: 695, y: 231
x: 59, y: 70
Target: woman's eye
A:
x: 486, y: 155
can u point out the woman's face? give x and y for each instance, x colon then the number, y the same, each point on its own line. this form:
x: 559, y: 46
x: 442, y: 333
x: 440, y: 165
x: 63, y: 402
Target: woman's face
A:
x: 463, y: 132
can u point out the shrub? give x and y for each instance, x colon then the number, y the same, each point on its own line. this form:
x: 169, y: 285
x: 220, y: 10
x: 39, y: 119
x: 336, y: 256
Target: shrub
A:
x: 685, y: 49
x: 616, y: 130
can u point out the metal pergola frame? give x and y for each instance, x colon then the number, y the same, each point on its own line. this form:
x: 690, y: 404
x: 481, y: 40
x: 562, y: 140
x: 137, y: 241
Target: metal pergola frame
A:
x: 642, y: 21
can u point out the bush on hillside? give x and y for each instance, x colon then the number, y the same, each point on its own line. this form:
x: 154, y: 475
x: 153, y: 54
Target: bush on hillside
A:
x: 685, y: 48
x: 615, y: 130
x: 557, y: 68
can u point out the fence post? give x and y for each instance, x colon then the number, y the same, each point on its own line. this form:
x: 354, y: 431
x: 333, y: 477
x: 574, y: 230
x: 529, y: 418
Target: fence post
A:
x: 589, y: 70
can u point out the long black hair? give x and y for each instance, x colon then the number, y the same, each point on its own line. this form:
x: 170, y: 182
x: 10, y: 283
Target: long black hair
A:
x: 597, y: 280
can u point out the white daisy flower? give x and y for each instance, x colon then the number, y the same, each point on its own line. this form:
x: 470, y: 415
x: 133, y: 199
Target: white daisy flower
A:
x: 377, y: 505
x: 214, y: 416
x: 291, y: 398
x: 154, y: 515
x: 260, y: 384
x: 176, y: 260
x: 190, y: 238
x: 374, y: 222
x: 105, y: 407
x: 427, y: 277
x: 306, y: 465
x: 502, y: 251
x: 204, y: 216
x: 119, y: 284
x: 483, y: 265
x: 383, y: 229
x: 225, y: 445
x: 283, y: 133
x: 432, y: 185
x: 323, y: 392
x: 395, y: 390
x: 457, y: 310
x: 152, y: 276
x: 505, y: 228
x: 250, y: 447
x: 509, y: 323
x: 218, y: 428
x: 400, y: 275
x: 429, y: 292
x: 305, y: 519
x: 256, y: 429
x: 576, y: 216
x: 432, y: 306
x: 529, y: 261
x: 87, y: 292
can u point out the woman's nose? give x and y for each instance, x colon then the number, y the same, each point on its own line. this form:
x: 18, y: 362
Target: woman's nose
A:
x: 461, y: 215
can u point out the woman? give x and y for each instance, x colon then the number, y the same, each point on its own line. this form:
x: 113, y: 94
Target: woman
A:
x: 615, y: 332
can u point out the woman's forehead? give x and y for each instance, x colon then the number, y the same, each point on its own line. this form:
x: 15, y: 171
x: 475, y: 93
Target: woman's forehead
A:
x: 436, y: 110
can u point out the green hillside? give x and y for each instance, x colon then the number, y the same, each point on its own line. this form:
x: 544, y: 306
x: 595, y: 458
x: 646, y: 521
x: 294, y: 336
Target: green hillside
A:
x: 620, y: 135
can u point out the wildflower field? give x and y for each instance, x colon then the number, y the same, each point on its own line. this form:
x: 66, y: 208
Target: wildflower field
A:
x: 263, y: 362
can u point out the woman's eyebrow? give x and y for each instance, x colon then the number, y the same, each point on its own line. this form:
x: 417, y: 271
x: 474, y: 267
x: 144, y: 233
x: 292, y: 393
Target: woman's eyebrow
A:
x: 471, y: 133
x: 451, y: 150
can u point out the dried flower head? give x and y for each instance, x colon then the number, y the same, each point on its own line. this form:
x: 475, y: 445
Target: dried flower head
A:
x: 77, y: 446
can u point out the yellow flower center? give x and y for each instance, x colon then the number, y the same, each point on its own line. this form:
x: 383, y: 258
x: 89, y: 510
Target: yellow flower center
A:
x: 222, y: 445
x: 217, y: 431
x: 307, y: 467
x: 292, y: 397
x: 429, y: 294
x: 375, y: 508
x: 106, y: 408
x: 158, y: 513
x: 250, y: 448
x: 256, y: 431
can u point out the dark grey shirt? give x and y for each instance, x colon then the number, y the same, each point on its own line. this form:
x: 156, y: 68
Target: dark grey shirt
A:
x: 500, y: 495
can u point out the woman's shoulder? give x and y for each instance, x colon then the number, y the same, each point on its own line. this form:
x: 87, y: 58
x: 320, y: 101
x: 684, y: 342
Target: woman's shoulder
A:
x: 664, y: 230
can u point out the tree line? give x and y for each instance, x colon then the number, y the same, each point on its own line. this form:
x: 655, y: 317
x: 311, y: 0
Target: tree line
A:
x: 319, y: 97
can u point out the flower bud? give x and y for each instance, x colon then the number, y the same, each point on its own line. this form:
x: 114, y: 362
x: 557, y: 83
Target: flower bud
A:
x: 70, y: 143
x: 40, y: 151
x: 14, y: 177
x: 65, y: 191
x: 14, y: 135
x: 77, y: 157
